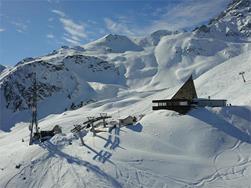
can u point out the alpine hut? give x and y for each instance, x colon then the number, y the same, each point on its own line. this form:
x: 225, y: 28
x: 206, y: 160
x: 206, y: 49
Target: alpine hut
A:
x: 185, y: 99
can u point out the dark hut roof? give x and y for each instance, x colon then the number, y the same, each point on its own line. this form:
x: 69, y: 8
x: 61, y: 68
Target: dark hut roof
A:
x: 187, y: 91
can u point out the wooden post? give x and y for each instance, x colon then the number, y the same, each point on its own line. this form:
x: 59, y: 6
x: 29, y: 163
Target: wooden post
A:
x: 93, y: 129
x: 92, y: 125
x: 81, y: 138
x: 77, y: 129
x: 103, y: 115
x: 104, y: 123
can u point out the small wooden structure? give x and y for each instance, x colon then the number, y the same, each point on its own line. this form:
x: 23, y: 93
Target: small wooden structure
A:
x: 45, y: 135
x: 78, y: 129
x: 185, y: 99
x: 89, y: 124
x: 129, y: 120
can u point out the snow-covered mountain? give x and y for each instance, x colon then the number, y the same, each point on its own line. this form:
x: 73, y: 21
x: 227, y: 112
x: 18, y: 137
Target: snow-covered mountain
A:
x: 101, y: 68
x: 113, y: 44
x: 154, y: 38
x: 208, y: 147
x: 121, y: 75
x: 68, y: 78
x: 232, y: 24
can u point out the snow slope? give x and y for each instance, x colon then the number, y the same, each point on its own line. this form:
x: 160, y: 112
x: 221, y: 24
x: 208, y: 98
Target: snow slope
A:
x: 222, y: 81
x: 208, y: 147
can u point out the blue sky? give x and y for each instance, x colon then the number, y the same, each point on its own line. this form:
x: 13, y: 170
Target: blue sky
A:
x: 30, y: 28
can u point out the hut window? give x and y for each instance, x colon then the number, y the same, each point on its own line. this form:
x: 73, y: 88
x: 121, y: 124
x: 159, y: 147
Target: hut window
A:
x: 183, y: 103
x: 162, y: 104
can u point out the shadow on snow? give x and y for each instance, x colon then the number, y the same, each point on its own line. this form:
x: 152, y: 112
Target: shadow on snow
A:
x: 137, y: 128
x: 55, y: 152
x: 216, y: 121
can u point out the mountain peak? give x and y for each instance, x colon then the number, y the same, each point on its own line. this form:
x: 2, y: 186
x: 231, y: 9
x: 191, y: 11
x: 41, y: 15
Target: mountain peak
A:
x: 114, y: 37
x: 234, y: 22
x: 114, y: 43
x: 236, y: 8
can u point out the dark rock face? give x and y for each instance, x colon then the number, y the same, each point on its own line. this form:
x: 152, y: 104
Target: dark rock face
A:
x: 2, y: 68
x: 25, y: 60
x: 17, y: 87
x: 97, y: 65
x: 239, y: 4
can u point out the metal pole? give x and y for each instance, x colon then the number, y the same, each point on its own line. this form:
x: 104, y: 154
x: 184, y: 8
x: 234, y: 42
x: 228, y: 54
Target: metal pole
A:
x: 35, y: 103
x: 243, y: 78
x: 242, y: 74
x: 34, y: 111
x: 31, y: 134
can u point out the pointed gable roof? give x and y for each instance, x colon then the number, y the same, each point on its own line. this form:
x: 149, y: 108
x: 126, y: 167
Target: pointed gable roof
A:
x: 187, y: 91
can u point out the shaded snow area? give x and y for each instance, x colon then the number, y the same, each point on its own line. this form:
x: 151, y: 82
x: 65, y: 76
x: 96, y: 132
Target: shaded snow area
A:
x: 120, y: 76
x: 208, y: 147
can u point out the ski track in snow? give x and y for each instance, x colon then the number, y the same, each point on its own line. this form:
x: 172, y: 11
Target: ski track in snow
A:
x: 208, y: 147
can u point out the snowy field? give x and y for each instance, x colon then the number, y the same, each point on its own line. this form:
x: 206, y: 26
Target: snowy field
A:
x: 120, y: 76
